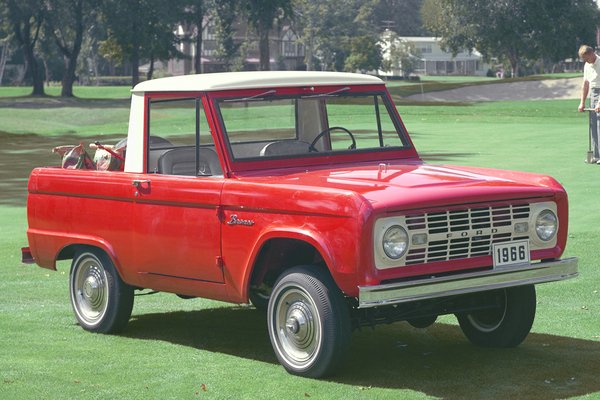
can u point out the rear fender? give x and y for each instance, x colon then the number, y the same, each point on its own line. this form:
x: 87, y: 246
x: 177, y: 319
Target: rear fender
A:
x: 51, y: 247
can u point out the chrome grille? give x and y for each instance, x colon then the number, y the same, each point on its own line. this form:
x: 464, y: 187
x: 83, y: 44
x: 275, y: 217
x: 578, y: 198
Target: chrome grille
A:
x: 463, y: 233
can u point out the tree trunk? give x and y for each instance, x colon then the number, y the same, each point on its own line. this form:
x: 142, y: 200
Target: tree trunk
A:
x: 68, y: 78
x: 150, y: 69
x: 37, y: 75
x: 308, y: 54
x: 199, y: 19
x: 3, y: 58
x: 135, y: 66
x: 263, y: 47
x: 513, y: 58
x: 72, y: 55
x: 135, y: 49
x: 27, y: 42
x: 198, y: 54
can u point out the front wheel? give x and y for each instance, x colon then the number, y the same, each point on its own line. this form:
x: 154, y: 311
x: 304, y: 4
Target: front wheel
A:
x: 505, y: 326
x: 102, y: 302
x: 308, y: 321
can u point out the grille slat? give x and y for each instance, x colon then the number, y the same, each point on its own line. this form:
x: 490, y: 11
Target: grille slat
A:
x: 464, y: 233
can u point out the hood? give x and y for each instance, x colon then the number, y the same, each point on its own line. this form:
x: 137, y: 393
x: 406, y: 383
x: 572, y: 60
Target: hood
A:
x: 418, y: 185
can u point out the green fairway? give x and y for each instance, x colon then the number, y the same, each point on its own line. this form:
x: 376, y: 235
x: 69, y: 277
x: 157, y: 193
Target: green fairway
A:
x: 84, y: 92
x: 196, y: 348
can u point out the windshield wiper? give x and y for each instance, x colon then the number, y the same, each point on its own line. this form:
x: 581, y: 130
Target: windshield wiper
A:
x: 255, y: 97
x: 330, y: 94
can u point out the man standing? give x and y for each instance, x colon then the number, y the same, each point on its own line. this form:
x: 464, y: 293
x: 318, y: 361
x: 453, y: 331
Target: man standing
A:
x: 591, y: 80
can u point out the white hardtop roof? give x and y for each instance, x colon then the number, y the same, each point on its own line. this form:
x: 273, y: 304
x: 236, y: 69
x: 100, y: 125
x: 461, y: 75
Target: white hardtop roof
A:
x: 250, y: 80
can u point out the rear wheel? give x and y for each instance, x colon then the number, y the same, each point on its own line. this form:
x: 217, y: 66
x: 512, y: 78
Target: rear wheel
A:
x: 505, y: 326
x: 308, y: 321
x: 102, y: 302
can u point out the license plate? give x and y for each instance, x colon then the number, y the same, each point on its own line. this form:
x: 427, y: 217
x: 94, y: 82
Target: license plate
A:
x: 511, y: 253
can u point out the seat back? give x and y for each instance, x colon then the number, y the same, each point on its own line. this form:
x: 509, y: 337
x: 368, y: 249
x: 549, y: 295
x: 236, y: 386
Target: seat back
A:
x: 285, y: 148
x: 182, y: 161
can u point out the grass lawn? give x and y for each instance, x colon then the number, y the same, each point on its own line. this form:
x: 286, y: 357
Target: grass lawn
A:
x: 196, y: 348
x: 84, y: 92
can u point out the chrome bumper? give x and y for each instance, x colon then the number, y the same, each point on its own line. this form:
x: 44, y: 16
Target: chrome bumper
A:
x: 372, y: 296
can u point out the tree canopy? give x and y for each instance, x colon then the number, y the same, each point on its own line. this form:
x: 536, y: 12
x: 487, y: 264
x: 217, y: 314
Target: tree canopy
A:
x: 332, y: 34
x: 514, y: 30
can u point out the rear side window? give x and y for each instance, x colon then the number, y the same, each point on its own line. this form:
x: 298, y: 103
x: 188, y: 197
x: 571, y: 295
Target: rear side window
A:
x: 179, y: 139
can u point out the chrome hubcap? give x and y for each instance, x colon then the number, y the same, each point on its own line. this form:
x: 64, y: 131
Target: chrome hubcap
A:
x: 489, y: 320
x: 89, y: 290
x: 298, y: 331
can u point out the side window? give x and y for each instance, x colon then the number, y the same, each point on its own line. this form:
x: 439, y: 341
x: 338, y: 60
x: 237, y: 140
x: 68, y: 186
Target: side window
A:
x: 250, y: 125
x: 179, y: 139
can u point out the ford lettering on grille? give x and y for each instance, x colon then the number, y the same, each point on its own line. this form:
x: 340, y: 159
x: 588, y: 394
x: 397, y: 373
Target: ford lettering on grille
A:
x: 464, y: 233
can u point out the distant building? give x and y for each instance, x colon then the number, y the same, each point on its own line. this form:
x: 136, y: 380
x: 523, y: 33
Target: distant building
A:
x: 286, y: 53
x: 434, y: 61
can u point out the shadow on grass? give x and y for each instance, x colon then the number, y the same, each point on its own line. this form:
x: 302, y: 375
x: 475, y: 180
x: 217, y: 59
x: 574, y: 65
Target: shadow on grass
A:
x: 20, y: 153
x: 437, y: 361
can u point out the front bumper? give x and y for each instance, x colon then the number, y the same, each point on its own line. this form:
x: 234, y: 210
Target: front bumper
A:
x: 550, y: 271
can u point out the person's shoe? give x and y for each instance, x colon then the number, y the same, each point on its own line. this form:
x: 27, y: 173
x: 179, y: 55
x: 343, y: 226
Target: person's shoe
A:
x: 597, y: 161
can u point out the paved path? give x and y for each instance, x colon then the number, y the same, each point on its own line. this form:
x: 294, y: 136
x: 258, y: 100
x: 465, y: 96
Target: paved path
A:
x: 550, y: 89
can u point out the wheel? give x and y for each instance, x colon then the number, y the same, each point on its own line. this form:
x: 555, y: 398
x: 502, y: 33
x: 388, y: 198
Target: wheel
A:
x: 102, y: 302
x: 308, y: 321
x: 312, y: 148
x: 423, y: 322
x: 505, y: 326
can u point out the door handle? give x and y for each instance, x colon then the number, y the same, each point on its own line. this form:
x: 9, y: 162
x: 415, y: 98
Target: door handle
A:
x: 141, y: 182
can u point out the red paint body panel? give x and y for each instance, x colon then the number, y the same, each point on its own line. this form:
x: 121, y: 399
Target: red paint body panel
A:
x: 201, y: 236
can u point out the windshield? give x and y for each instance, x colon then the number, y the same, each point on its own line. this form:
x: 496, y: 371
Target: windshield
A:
x: 267, y: 125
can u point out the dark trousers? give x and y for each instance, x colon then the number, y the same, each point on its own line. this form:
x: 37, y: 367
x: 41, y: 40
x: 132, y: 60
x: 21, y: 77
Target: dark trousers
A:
x: 594, y: 122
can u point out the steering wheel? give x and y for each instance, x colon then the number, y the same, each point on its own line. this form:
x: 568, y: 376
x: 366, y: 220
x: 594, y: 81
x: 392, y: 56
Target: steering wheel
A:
x: 312, y: 147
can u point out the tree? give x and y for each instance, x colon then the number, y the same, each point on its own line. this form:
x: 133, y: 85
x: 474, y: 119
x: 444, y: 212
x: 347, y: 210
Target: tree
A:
x: 400, y: 54
x: 138, y: 29
x: 66, y: 21
x: 400, y: 16
x: 261, y: 15
x: 327, y: 30
x: 365, y: 54
x: 196, y: 13
x: 225, y: 15
x: 512, y: 29
x: 25, y: 18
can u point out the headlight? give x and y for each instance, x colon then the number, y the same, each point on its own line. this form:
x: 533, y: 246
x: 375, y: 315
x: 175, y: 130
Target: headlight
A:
x: 545, y: 225
x: 395, y: 242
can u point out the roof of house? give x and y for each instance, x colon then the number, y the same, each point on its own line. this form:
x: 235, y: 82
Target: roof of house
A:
x: 250, y: 80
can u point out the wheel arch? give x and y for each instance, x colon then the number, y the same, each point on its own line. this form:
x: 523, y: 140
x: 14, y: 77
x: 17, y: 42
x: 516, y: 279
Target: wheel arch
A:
x: 68, y: 251
x: 279, y: 251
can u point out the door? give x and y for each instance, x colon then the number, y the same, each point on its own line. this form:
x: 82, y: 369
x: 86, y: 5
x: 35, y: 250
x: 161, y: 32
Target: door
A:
x: 177, y: 227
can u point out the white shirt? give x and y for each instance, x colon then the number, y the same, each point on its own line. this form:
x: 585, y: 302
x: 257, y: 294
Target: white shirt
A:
x: 591, y: 73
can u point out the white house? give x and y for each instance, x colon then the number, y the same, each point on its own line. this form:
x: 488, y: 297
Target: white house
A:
x: 435, y: 61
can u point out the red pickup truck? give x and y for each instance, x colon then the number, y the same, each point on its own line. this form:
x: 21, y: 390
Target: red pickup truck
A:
x: 302, y: 193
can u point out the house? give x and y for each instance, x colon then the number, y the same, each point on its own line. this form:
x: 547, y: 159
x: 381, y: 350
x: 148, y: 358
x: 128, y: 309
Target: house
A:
x: 286, y: 52
x: 432, y: 60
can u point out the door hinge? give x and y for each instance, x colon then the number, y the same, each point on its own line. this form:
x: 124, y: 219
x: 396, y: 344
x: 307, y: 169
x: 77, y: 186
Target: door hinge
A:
x: 220, y: 213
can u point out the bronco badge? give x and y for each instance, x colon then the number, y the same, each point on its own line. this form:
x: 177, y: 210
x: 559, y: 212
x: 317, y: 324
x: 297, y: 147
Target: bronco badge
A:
x: 236, y: 221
